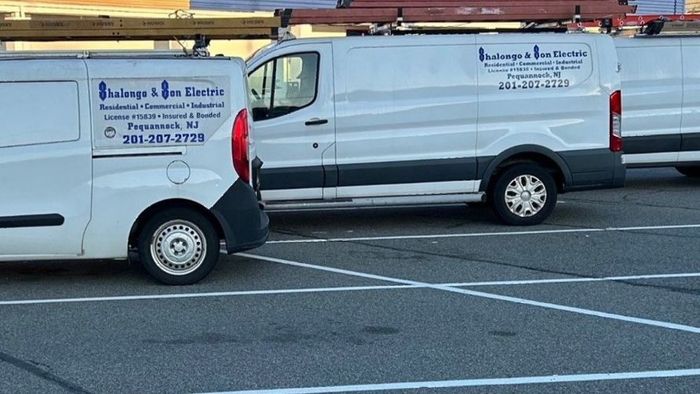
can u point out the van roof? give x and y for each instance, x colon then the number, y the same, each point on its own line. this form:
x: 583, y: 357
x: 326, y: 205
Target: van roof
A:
x: 17, y: 55
x: 428, y: 38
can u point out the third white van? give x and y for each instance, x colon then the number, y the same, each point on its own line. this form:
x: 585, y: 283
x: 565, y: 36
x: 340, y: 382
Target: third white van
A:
x: 661, y: 81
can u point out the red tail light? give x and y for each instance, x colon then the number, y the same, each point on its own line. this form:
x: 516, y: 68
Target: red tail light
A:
x: 616, y: 121
x: 239, y: 145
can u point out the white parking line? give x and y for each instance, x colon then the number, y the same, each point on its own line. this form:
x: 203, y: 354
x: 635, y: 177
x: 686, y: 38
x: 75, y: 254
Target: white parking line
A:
x: 197, y: 295
x: 339, y: 289
x: 573, y: 280
x: 516, y: 300
x: 442, y: 384
x: 491, y: 234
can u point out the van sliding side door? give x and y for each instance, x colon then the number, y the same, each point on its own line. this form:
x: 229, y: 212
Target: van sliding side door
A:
x: 407, y: 118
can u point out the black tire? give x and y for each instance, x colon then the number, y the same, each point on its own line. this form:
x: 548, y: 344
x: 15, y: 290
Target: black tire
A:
x: 692, y: 172
x: 193, y: 246
x: 509, y: 213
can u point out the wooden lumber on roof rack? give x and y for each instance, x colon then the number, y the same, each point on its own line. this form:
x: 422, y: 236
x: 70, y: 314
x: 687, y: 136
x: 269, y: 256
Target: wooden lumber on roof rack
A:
x: 463, y: 3
x: 641, y: 20
x: 138, y: 29
x: 410, y: 11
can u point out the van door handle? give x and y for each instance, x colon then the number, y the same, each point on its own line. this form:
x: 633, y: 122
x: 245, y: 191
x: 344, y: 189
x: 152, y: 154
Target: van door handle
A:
x: 316, y: 122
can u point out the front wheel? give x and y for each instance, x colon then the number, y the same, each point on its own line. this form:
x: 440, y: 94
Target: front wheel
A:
x: 178, y: 247
x: 524, y: 195
x: 692, y: 172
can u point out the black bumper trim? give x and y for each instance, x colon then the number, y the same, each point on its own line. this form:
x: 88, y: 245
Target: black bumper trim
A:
x: 245, y: 225
x: 594, y: 169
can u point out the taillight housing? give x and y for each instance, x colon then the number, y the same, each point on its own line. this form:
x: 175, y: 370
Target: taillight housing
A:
x: 240, y: 145
x: 616, y: 121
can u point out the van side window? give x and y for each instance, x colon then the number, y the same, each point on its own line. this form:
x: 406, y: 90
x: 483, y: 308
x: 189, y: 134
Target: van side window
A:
x: 284, y: 85
x: 38, y: 113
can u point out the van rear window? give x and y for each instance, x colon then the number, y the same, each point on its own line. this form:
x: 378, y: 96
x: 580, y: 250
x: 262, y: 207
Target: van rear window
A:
x: 38, y: 113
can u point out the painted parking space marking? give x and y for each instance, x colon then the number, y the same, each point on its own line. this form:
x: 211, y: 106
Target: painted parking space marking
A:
x: 443, y: 384
x: 197, y: 295
x: 515, y: 300
x: 146, y: 297
x: 573, y: 280
x: 488, y: 234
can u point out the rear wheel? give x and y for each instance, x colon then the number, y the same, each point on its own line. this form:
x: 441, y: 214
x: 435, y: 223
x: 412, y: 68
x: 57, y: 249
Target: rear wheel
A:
x: 693, y: 172
x: 524, y: 195
x: 178, y: 246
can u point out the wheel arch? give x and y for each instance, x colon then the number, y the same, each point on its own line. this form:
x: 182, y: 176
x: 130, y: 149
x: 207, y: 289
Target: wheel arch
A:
x: 176, y: 203
x: 522, y: 154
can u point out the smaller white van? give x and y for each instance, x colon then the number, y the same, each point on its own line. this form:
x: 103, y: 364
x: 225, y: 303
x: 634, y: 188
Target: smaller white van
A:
x: 104, y: 153
x: 661, y: 81
x: 513, y: 119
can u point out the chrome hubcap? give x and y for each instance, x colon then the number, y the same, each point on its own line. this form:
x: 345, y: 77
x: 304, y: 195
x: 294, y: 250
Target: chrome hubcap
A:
x: 525, y: 196
x: 178, y: 247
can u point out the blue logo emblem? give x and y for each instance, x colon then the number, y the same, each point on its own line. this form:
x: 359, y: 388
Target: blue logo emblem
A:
x: 165, y: 86
x: 482, y: 54
x: 103, y: 90
x: 537, y: 52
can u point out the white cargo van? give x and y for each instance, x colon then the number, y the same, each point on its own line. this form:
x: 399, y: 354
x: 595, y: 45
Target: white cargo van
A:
x: 100, y: 153
x: 661, y: 82
x: 514, y: 118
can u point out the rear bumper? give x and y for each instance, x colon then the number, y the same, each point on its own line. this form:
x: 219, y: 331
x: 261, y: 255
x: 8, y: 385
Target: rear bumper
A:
x: 244, y: 223
x: 594, y: 169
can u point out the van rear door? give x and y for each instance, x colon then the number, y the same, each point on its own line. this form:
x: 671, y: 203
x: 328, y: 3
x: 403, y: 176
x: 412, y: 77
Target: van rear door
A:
x: 45, y: 158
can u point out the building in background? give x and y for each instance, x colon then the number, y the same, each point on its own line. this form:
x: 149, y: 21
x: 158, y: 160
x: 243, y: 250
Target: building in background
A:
x: 661, y: 7
x: 261, y: 5
x: 54, y: 9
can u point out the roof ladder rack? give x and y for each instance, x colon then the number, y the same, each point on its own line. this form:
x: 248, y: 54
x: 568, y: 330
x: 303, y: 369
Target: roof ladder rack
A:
x: 201, y: 30
x: 664, y: 27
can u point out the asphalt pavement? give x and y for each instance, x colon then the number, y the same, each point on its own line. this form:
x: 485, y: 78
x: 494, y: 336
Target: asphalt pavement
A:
x: 603, y: 297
